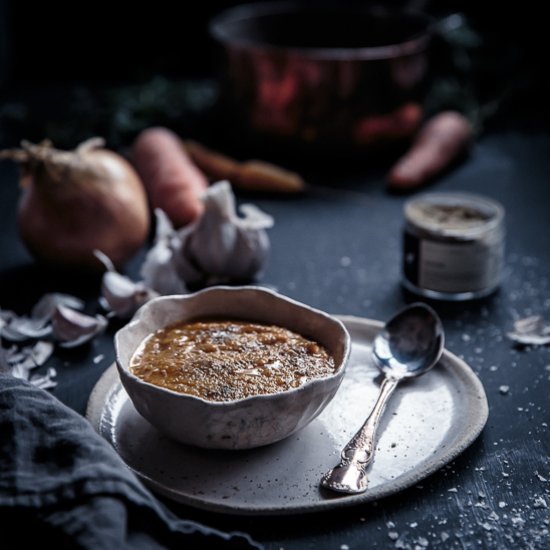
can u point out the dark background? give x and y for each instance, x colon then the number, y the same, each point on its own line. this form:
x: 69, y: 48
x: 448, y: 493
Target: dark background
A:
x: 54, y: 45
x: 49, y: 50
x: 63, y: 41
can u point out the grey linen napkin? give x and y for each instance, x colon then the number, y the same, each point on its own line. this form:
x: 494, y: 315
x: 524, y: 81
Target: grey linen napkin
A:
x: 62, y: 484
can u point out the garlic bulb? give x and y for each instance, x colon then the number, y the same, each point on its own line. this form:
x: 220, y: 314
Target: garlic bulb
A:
x: 219, y: 247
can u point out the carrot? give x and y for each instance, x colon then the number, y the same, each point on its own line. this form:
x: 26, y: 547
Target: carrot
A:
x: 257, y: 175
x: 173, y: 183
x: 251, y: 175
x: 212, y: 163
x: 440, y: 141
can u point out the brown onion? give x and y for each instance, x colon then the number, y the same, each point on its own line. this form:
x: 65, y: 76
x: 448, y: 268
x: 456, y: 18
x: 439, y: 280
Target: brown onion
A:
x: 75, y: 202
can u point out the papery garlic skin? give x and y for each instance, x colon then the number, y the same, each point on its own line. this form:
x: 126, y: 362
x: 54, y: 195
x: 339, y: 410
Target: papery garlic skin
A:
x: 158, y: 270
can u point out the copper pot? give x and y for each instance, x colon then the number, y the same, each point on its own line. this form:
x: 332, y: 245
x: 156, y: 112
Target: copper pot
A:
x: 332, y: 75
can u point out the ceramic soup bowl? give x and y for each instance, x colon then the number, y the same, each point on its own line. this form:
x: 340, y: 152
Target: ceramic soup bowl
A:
x: 241, y: 423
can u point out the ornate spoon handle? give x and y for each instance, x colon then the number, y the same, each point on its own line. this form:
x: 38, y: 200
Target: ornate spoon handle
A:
x: 350, y: 476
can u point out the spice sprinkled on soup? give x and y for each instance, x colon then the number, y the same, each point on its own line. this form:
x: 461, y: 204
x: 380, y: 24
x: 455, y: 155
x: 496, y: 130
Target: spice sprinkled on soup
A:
x: 226, y: 360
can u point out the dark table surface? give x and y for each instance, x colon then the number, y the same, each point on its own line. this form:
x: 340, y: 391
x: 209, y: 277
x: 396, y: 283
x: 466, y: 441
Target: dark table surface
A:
x: 338, y: 248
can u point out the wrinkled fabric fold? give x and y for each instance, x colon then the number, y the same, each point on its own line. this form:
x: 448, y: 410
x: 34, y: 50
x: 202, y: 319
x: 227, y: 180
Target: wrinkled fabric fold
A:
x: 59, y: 480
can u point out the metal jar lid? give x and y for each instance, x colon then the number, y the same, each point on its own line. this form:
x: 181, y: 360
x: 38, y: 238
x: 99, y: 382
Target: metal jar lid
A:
x: 456, y: 216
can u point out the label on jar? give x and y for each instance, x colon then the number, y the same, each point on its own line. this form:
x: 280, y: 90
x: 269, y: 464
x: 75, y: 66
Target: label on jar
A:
x: 452, y: 267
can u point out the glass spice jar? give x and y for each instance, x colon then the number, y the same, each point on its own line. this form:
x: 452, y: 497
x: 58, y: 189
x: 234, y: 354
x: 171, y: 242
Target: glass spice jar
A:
x: 453, y: 247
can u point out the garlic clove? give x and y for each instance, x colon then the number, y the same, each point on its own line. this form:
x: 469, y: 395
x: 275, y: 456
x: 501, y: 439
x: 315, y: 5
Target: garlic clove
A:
x: 73, y: 328
x: 44, y: 381
x: 17, y: 328
x: 118, y: 286
x: 41, y: 352
x: 253, y: 218
x: 31, y: 357
x: 158, y: 270
x: 20, y: 361
x: 119, y: 294
x: 21, y: 328
x: 123, y: 296
x: 18, y: 371
x: 45, y: 307
x: 164, y: 227
x: 532, y: 330
x: 105, y: 260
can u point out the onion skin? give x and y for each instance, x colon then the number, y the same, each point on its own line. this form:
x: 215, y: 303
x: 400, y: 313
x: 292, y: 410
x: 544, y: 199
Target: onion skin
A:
x: 76, y: 202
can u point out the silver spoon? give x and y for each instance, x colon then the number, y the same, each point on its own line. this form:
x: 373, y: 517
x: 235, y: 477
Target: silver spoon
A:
x: 410, y: 344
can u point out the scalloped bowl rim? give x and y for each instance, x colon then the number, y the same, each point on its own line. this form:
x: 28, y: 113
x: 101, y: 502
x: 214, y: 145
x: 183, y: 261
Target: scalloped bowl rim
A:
x: 138, y: 318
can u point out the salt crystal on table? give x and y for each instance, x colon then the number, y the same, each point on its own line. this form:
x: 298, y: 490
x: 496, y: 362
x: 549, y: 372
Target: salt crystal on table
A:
x: 540, y: 503
x: 504, y: 390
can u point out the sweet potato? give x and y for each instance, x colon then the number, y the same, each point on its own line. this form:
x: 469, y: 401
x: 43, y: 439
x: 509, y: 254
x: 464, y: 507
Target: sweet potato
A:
x: 440, y: 141
x: 173, y: 183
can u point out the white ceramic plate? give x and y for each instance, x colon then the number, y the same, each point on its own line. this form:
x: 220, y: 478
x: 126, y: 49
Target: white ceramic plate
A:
x: 427, y: 423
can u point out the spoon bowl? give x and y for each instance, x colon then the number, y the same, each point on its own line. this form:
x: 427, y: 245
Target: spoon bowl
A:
x: 409, y: 345
x: 411, y: 342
